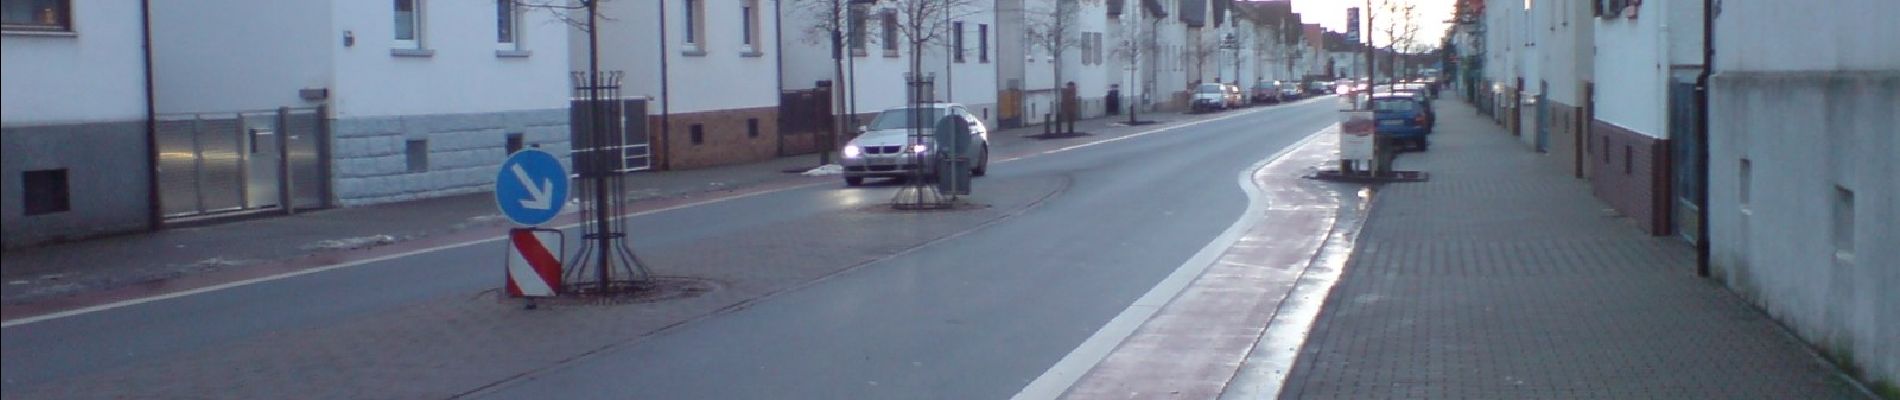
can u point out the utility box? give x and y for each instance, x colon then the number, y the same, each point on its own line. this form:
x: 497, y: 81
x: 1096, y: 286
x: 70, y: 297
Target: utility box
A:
x: 953, y: 153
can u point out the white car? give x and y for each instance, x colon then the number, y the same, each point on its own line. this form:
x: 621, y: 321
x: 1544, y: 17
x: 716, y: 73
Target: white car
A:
x: 885, y: 148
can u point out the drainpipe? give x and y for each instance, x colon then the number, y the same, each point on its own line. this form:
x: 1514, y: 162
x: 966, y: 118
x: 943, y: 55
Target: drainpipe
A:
x: 154, y: 213
x: 778, y: 71
x: 1702, y: 138
x: 666, y: 101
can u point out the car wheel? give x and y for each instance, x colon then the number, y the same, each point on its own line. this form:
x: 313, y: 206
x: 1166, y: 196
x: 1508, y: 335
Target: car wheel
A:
x: 982, y: 163
x: 853, y: 180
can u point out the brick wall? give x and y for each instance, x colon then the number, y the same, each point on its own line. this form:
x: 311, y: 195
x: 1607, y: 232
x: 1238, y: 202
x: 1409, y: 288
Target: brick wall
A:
x: 1632, y: 174
x: 723, y: 138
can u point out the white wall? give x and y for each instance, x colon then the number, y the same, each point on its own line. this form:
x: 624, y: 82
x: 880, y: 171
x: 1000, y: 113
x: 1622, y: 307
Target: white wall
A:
x: 240, y: 55
x: 1849, y: 35
x: 722, y: 78
x: 971, y: 82
x: 95, y: 75
x: 465, y: 75
x: 1632, y: 79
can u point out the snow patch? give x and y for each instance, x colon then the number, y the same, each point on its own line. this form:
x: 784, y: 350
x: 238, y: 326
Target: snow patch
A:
x: 351, y: 243
x: 825, y: 170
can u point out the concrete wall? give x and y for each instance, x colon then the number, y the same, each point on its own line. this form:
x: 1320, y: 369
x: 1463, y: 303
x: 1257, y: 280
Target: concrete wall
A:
x: 105, y: 177
x: 1773, y: 226
x: 1635, y: 57
x: 93, y: 74
x: 238, y: 55
x: 1842, y: 35
x: 1809, y: 102
x: 75, y: 101
x: 371, y: 163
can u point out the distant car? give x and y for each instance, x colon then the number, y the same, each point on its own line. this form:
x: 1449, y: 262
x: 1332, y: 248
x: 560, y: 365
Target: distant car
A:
x: 1235, y: 99
x: 1401, y: 118
x: 1265, y: 93
x: 1318, y: 88
x: 1209, y: 97
x: 884, y: 149
x: 1290, y: 91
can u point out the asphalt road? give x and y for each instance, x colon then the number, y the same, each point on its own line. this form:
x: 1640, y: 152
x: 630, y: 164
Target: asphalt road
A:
x: 970, y: 305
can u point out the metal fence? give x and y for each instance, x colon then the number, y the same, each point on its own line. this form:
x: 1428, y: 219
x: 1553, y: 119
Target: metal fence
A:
x: 214, y: 163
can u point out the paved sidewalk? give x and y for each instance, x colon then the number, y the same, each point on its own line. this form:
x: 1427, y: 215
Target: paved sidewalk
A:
x: 1502, y: 277
x: 33, y: 274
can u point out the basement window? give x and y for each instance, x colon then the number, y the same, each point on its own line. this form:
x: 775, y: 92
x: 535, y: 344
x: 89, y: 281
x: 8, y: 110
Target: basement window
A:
x: 45, y: 192
x: 1748, y: 172
x: 417, y: 154
x: 1843, y: 224
x: 515, y: 142
x: 752, y: 127
x: 698, y: 134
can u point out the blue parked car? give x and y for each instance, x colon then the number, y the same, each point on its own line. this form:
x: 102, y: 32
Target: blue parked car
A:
x: 1402, y: 118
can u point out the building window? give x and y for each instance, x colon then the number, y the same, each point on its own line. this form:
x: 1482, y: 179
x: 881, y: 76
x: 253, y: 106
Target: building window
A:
x: 698, y: 134
x: 45, y: 191
x: 749, y: 23
x: 752, y: 127
x: 37, y: 15
x: 408, y: 24
x: 958, y: 39
x: 857, y: 27
x: 983, y: 43
x: 416, y: 152
x: 1843, y: 224
x: 890, y: 33
x: 695, y: 25
x: 506, y: 33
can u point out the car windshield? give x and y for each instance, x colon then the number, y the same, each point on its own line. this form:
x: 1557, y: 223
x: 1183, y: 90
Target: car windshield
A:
x: 1209, y: 88
x: 1393, y: 105
x: 902, y: 118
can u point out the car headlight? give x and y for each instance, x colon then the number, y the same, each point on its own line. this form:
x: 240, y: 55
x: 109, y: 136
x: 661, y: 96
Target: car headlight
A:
x: 918, y: 148
x: 852, y: 151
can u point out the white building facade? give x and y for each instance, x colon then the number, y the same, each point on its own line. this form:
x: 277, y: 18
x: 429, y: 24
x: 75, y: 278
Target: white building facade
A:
x: 73, y: 112
x: 424, y: 98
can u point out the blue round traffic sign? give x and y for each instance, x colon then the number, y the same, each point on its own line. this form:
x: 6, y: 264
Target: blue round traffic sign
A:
x: 531, y: 187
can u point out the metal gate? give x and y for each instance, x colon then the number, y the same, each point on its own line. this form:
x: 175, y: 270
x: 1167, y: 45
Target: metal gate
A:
x: 215, y: 163
x: 804, y: 120
x: 626, y: 145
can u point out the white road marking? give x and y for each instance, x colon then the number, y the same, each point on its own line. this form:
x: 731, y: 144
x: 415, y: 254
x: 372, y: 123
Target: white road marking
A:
x: 246, y: 282
x: 1058, y: 378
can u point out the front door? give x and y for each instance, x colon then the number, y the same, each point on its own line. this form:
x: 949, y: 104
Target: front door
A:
x: 1685, y: 180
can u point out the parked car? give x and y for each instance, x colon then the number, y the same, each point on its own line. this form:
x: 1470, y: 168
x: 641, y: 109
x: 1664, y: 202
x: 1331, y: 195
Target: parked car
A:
x: 1290, y: 91
x: 1265, y: 93
x: 1318, y: 88
x: 1235, y: 99
x: 1401, y: 118
x: 1209, y: 97
x: 1431, y: 115
x: 885, y: 148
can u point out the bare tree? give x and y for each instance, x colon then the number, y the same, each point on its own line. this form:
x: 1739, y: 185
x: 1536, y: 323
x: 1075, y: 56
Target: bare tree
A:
x: 1056, y: 29
x: 1200, y: 47
x: 1400, y: 28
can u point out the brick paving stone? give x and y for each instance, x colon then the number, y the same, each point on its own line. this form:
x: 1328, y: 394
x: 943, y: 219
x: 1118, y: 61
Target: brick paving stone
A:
x: 1502, y: 277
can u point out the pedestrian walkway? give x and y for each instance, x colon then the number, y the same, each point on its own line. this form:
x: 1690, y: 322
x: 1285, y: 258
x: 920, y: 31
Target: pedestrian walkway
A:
x: 34, y: 274
x: 1503, y: 278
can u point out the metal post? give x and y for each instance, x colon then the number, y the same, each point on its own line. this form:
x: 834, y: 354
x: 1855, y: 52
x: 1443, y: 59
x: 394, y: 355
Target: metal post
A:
x: 283, y: 161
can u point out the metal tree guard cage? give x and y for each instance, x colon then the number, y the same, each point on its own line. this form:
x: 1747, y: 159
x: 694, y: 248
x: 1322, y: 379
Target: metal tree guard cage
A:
x: 606, y: 264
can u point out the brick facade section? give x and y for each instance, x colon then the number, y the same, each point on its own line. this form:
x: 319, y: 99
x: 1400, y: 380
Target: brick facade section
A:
x: 1632, y: 174
x: 724, y: 138
x: 1566, y: 134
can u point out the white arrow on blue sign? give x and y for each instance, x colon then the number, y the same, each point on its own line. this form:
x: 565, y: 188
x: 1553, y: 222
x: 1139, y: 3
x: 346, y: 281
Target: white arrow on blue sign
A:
x: 531, y: 187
